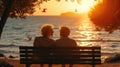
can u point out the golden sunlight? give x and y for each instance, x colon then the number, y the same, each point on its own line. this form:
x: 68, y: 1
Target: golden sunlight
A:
x: 88, y: 33
x: 86, y: 5
x: 55, y: 8
x: 87, y: 28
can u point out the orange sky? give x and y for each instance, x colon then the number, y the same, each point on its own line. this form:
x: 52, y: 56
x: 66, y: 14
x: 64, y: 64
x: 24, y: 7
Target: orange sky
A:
x: 56, y: 8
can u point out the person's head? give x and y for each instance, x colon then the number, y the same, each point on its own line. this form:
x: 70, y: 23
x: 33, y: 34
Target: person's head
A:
x: 64, y: 31
x: 47, y: 30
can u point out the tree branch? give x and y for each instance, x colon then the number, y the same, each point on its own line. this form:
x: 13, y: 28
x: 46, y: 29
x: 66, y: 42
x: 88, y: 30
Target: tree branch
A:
x: 5, y: 15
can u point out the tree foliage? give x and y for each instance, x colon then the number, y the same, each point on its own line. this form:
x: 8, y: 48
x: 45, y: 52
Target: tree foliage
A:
x: 18, y: 8
x: 21, y: 8
x: 106, y: 15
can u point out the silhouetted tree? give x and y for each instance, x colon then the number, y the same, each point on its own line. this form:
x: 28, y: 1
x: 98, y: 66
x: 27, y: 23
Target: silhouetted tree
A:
x: 106, y: 15
x: 16, y: 8
x: 19, y: 8
x: 5, y: 14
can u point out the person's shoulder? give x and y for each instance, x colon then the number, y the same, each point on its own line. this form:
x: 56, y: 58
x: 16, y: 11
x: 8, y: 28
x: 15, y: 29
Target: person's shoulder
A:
x: 51, y: 39
x: 38, y: 37
x: 71, y: 39
x: 58, y: 40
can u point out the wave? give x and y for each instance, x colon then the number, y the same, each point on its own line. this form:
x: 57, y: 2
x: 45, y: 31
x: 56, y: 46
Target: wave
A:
x: 99, y: 40
x: 8, y: 52
x: 114, y: 59
x: 17, y: 27
x: 8, y: 45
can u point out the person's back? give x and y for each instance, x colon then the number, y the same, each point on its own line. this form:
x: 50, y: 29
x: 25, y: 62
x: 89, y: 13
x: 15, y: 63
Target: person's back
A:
x: 64, y: 40
x: 43, y: 41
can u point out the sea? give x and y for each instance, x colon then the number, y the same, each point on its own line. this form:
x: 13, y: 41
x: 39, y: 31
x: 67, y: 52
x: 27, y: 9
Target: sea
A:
x: 21, y: 32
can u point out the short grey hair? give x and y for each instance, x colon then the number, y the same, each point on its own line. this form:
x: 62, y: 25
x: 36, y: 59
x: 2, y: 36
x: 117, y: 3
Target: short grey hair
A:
x: 64, y: 31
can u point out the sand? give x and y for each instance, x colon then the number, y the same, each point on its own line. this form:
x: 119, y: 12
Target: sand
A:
x: 16, y: 63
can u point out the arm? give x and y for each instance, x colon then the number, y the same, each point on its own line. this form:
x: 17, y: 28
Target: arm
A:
x: 35, y: 41
x: 74, y: 42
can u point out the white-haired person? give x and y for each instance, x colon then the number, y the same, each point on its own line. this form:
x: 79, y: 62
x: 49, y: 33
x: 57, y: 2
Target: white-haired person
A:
x: 45, y: 38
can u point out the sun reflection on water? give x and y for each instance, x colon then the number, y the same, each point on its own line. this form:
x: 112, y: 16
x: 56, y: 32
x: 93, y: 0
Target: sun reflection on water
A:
x: 87, y: 30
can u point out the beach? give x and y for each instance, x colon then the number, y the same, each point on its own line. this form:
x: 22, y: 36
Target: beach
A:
x: 16, y: 63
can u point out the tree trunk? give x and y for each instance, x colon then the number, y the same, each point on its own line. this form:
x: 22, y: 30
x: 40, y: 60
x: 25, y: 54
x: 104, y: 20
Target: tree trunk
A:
x: 5, y: 15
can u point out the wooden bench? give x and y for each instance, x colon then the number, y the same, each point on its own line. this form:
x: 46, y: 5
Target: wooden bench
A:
x: 60, y: 55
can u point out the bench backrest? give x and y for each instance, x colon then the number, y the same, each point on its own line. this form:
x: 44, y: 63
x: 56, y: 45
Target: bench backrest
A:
x: 60, y: 55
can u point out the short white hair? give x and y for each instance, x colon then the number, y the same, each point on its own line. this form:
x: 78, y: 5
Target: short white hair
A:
x: 46, y: 28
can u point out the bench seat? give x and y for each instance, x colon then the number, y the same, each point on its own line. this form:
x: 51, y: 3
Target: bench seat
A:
x: 60, y: 55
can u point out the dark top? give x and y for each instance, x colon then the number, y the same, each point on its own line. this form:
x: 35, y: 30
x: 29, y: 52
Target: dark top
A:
x: 43, y: 41
x: 65, y: 41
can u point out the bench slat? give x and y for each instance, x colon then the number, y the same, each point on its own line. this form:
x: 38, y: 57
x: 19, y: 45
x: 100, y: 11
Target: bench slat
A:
x: 60, y: 55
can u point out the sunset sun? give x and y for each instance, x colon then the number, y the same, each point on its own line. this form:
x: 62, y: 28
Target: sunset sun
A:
x: 84, y: 6
x: 56, y: 8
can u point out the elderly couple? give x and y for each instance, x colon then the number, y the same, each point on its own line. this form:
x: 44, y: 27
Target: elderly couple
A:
x: 45, y: 40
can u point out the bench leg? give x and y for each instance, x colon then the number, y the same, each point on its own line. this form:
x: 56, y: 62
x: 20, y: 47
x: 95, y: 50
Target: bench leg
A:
x: 63, y: 65
x: 41, y: 65
x: 27, y: 65
x: 49, y: 65
x: 71, y: 65
x: 93, y: 65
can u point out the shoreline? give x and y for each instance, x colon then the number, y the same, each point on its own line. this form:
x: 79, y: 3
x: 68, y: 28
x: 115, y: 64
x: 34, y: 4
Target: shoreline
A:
x: 109, y: 61
x: 16, y: 63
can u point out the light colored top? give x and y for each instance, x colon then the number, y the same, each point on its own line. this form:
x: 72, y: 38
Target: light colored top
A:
x: 65, y: 41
